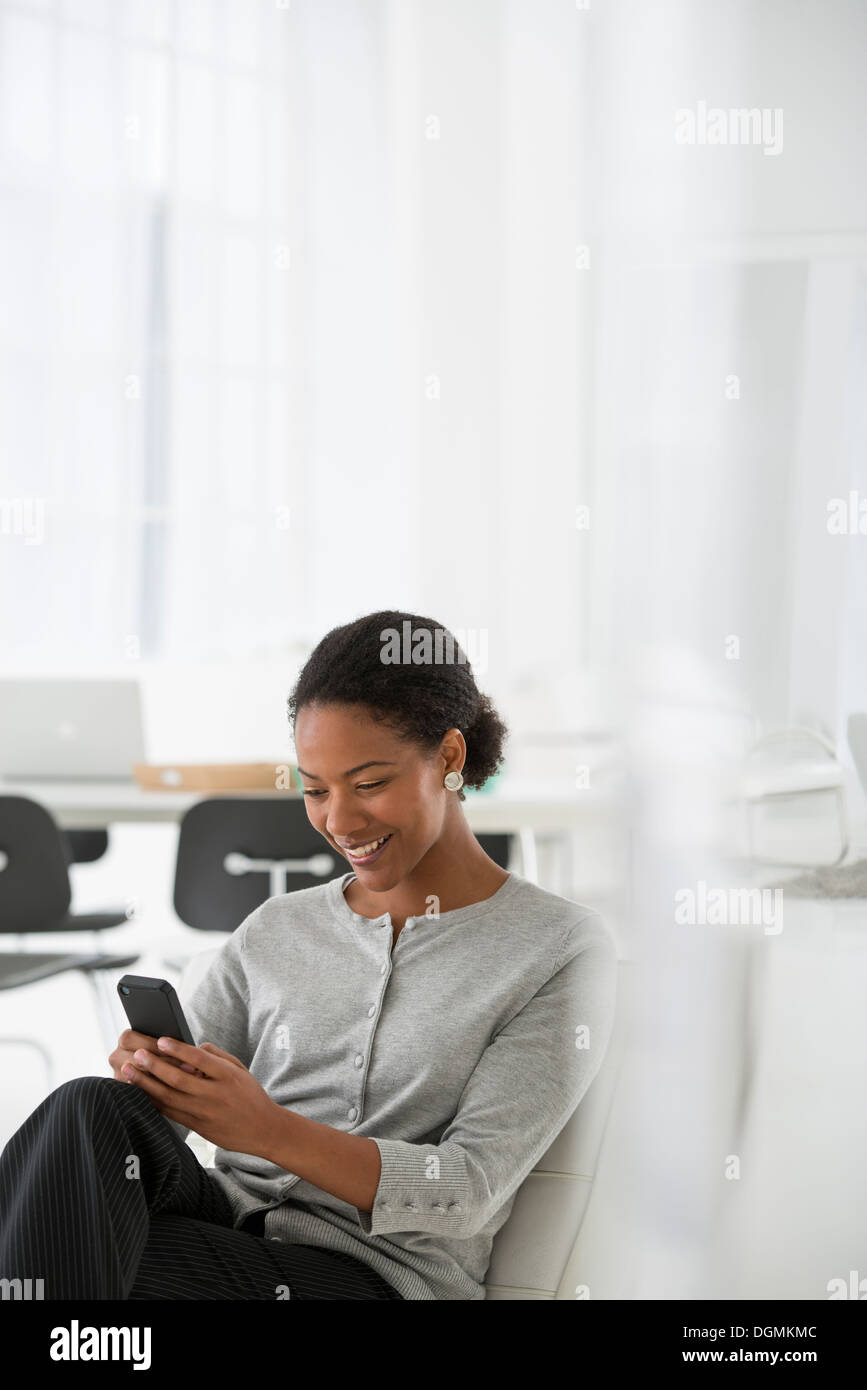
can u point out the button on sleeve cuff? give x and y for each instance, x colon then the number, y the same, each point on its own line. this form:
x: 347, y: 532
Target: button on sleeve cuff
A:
x: 422, y: 1187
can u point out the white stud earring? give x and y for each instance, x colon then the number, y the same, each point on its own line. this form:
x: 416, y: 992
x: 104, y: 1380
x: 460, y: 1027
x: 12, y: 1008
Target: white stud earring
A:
x: 453, y: 780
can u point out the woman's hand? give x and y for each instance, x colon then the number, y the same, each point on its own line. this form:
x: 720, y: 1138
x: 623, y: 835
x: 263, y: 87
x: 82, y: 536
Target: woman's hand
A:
x: 209, y: 1091
x: 130, y: 1042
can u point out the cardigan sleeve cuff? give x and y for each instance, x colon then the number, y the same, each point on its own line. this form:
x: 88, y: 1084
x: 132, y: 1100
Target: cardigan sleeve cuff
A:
x: 422, y: 1187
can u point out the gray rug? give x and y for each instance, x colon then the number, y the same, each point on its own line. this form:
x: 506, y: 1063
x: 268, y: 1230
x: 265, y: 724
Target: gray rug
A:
x: 844, y: 881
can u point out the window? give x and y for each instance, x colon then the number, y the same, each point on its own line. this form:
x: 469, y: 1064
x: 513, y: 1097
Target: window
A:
x: 147, y: 169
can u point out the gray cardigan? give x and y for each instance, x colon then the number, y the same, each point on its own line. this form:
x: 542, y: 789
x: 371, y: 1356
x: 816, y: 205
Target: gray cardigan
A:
x: 462, y: 1053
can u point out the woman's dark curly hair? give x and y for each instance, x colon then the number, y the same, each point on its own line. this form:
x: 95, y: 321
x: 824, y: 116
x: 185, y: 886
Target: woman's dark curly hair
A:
x: 420, y: 701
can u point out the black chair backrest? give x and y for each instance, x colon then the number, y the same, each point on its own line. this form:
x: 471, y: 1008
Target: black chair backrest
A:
x: 210, y: 898
x: 497, y: 846
x: 85, y: 846
x: 34, y: 878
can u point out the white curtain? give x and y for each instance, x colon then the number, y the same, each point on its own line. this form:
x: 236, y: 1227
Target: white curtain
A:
x: 317, y: 308
x: 150, y: 333
x: 286, y: 339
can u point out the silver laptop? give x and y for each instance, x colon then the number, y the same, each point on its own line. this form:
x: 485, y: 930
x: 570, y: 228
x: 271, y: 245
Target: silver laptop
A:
x: 80, y: 730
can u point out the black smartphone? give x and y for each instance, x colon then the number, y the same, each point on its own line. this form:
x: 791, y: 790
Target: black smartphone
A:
x: 153, y: 1008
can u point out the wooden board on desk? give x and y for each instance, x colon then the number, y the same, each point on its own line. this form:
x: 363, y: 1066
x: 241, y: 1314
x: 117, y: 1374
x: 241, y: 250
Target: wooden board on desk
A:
x: 212, y: 777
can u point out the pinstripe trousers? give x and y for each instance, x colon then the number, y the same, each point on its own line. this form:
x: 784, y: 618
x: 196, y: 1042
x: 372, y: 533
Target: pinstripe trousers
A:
x: 101, y: 1199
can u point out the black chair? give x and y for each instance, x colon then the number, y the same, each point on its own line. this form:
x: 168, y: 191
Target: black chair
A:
x: 85, y: 846
x: 35, y: 897
x: 235, y: 852
x: 499, y: 847
x: 233, y: 855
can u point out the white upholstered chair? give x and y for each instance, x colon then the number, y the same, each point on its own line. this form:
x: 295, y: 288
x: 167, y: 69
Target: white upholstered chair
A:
x: 537, y: 1253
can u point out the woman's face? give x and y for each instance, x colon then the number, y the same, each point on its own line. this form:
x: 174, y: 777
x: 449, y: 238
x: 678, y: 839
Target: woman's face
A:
x: 362, y: 783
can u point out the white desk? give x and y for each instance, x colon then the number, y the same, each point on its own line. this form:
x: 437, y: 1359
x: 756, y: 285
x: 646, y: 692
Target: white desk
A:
x: 96, y: 805
x: 532, y: 812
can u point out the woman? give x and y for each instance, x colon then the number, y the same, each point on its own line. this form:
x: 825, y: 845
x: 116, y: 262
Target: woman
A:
x: 393, y: 1050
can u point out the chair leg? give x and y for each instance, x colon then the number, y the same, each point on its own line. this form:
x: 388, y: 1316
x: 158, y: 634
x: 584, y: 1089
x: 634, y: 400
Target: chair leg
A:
x: 529, y: 861
x: 844, y: 826
x: 101, y: 987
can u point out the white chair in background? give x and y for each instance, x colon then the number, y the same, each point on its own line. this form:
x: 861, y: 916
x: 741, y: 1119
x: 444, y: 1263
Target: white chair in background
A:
x: 788, y: 764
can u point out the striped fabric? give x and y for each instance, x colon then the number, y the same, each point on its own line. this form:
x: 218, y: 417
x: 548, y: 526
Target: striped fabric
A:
x: 101, y: 1199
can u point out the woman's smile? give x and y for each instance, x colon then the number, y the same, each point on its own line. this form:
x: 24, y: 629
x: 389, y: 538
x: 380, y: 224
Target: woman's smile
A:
x: 364, y: 859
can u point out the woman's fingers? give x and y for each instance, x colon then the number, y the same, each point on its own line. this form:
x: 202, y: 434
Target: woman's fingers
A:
x: 218, y: 1052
